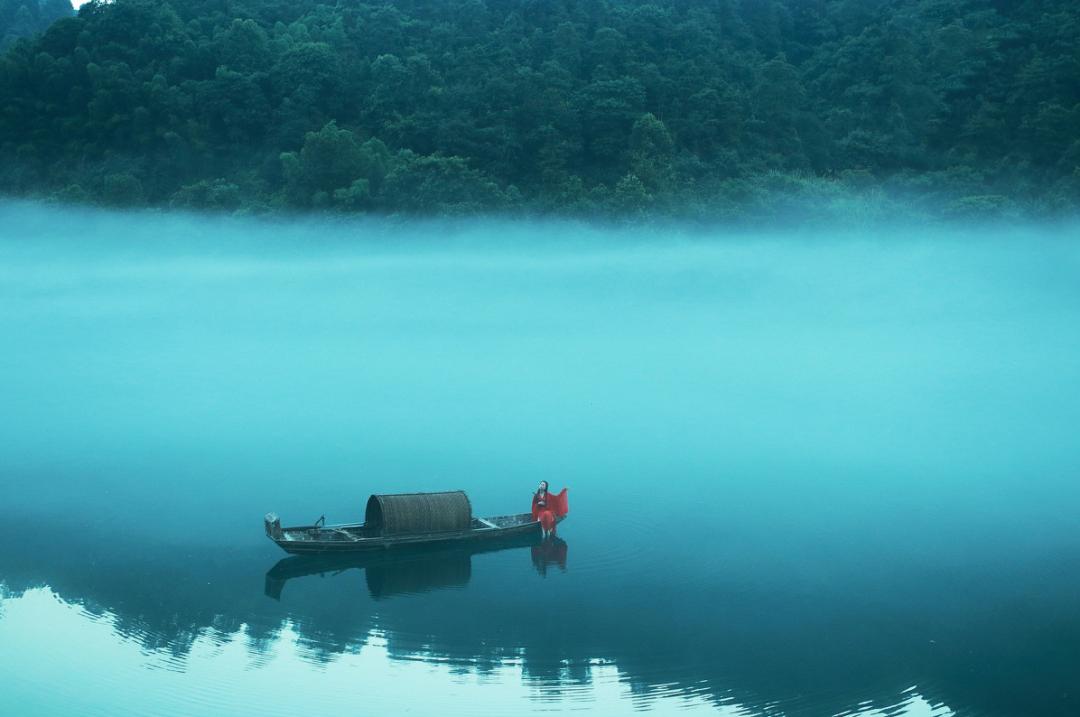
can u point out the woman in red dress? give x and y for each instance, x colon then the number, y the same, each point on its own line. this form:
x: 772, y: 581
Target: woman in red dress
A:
x: 548, y: 508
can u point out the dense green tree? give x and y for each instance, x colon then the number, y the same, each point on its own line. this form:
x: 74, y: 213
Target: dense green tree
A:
x: 651, y: 154
x: 443, y: 184
x: 244, y: 47
x: 727, y: 108
x: 24, y: 18
x: 122, y: 188
x: 217, y: 194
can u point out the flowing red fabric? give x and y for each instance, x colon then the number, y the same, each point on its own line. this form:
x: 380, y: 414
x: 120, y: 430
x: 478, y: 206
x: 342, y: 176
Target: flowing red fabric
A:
x: 557, y: 506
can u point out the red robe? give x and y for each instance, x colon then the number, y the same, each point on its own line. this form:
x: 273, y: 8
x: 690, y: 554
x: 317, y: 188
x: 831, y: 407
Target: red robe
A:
x: 556, y: 507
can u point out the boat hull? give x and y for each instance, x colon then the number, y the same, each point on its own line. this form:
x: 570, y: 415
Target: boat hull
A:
x: 350, y: 539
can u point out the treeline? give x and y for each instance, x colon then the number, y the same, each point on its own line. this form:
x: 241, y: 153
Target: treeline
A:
x: 23, y: 18
x: 711, y: 108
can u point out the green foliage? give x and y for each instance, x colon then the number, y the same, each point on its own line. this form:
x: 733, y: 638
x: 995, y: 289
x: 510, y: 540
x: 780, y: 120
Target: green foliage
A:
x: 24, y: 18
x: 334, y: 167
x: 443, y: 184
x: 631, y: 196
x: 651, y: 154
x: 729, y: 108
x: 122, y: 188
x: 217, y: 194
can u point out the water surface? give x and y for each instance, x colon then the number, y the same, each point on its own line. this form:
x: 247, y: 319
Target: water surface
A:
x: 809, y: 474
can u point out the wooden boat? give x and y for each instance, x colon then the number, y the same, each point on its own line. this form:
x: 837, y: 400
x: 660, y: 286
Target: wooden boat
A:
x: 403, y: 520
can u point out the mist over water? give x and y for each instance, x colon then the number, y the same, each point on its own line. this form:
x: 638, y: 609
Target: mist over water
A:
x: 810, y: 472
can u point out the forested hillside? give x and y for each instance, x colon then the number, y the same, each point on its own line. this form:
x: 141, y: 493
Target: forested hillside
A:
x: 23, y: 18
x: 710, y: 108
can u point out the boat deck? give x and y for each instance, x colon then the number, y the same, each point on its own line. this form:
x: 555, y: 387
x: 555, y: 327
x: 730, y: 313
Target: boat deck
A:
x: 359, y: 532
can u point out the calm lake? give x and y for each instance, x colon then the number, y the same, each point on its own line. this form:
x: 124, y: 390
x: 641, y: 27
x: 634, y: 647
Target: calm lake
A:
x: 809, y: 474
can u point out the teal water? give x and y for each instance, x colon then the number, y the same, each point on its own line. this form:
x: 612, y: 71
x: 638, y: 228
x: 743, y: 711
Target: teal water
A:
x: 810, y: 474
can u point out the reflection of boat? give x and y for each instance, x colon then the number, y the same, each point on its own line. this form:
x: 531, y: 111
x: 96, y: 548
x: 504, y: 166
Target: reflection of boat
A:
x: 394, y: 521
x: 407, y: 570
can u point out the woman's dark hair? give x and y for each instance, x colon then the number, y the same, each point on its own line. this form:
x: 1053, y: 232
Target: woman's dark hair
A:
x: 546, y: 486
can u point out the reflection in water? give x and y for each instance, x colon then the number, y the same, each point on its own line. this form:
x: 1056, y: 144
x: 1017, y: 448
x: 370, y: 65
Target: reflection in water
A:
x: 402, y: 571
x: 416, y: 576
x: 219, y: 676
x: 550, y: 551
x: 774, y: 652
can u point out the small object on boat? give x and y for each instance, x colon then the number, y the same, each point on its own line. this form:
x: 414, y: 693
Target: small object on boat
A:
x: 392, y: 521
x: 273, y: 525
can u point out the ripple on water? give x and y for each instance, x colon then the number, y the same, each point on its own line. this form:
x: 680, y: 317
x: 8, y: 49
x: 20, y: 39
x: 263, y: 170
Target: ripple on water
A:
x: 216, y: 675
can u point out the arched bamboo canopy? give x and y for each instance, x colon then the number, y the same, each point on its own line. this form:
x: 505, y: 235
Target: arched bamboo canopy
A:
x: 418, y: 513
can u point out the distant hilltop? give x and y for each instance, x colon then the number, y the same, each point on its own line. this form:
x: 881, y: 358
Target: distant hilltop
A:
x: 728, y: 109
x: 24, y: 18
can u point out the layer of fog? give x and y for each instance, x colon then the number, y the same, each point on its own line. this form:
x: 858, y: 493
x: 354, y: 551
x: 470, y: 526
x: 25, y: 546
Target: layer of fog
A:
x: 167, y: 362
